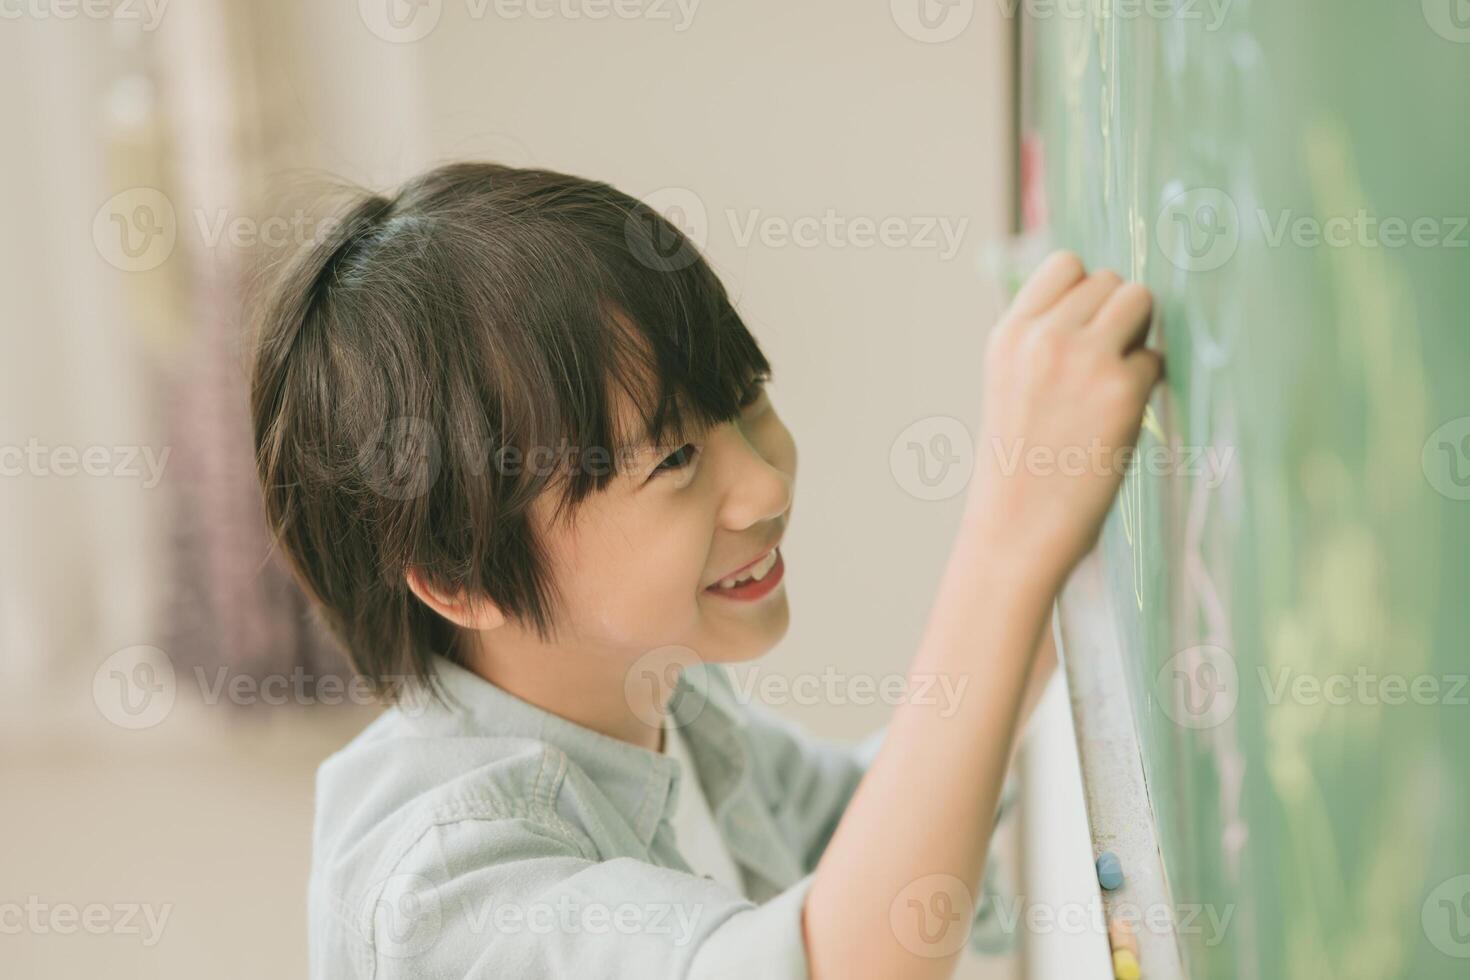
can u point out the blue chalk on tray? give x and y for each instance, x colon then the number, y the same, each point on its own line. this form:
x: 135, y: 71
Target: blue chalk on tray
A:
x: 1109, y: 871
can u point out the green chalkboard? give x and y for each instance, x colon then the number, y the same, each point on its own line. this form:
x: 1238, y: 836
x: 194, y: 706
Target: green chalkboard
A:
x: 1290, y: 569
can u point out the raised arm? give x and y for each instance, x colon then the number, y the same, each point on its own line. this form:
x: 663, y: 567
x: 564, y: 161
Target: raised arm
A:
x: 1066, y: 381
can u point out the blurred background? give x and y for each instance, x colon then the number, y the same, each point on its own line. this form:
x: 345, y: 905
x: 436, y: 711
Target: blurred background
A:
x: 166, y: 695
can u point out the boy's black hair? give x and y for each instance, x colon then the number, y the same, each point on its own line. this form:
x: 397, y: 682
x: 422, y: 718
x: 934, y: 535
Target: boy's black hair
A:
x: 406, y: 368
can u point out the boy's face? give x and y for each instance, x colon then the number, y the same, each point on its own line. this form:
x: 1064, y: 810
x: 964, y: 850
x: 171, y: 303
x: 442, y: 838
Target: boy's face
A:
x: 638, y: 568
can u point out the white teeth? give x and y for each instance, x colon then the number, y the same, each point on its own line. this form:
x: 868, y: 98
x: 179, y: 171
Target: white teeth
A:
x: 757, y: 572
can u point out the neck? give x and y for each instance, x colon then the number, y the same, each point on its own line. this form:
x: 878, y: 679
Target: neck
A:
x: 587, y: 688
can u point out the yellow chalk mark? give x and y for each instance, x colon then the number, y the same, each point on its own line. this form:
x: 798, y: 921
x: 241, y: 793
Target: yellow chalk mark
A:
x: 1130, y: 509
x: 1151, y: 423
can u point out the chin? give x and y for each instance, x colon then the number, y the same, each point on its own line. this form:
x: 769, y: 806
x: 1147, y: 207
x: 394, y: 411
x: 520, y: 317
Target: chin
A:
x: 756, y: 638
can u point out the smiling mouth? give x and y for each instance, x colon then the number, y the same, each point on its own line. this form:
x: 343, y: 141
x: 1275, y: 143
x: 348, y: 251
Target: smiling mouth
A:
x: 756, y: 580
x: 756, y: 571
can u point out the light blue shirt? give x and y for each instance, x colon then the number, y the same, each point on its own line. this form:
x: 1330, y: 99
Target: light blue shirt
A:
x: 490, y: 838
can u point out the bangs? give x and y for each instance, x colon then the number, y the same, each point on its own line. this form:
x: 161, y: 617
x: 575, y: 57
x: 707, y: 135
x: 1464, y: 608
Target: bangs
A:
x: 677, y: 353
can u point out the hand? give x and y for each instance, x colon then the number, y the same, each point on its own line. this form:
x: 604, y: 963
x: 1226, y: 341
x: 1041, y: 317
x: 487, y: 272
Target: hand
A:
x: 1066, y: 381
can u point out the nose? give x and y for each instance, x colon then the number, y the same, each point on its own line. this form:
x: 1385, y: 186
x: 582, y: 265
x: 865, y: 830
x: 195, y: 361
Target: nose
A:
x: 759, y: 476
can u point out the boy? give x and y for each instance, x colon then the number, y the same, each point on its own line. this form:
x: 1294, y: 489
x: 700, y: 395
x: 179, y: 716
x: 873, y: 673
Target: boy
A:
x: 516, y: 444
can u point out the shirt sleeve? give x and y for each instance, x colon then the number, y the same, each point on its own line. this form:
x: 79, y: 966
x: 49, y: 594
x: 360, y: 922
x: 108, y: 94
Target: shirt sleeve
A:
x: 512, y: 898
x: 810, y: 780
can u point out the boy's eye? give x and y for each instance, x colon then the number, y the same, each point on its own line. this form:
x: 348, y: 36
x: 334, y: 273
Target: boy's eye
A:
x: 678, y: 459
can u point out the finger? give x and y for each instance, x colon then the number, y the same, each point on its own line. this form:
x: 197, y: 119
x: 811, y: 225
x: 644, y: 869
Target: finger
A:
x: 1078, y: 305
x: 1146, y: 367
x: 1052, y: 278
x: 1122, y: 322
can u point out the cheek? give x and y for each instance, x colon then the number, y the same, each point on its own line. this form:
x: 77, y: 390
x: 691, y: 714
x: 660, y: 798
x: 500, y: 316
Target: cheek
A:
x: 637, y: 583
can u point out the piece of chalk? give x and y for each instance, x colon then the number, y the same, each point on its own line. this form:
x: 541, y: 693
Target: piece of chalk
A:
x: 1109, y: 871
x: 1120, y: 935
x: 1125, y: 965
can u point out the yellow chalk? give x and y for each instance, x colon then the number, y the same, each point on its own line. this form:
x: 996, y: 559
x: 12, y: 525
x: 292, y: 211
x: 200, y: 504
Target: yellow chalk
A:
x: 1125, y: 965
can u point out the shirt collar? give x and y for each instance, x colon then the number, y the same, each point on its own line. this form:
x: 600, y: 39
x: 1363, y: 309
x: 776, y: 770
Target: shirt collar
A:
x: 641, y: 785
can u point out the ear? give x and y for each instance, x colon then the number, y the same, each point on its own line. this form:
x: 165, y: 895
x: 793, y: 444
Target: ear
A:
x: 470, y: 612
